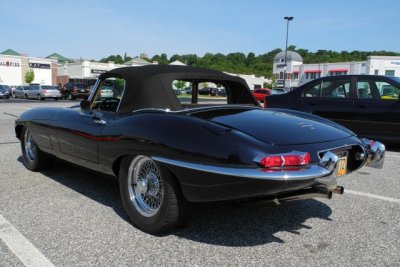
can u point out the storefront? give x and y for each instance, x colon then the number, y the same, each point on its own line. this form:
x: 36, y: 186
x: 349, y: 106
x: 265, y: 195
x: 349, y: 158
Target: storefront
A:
x: 10, y: 70
x: 14, y: 68
x: 294, y: 73
x: 85, y: 71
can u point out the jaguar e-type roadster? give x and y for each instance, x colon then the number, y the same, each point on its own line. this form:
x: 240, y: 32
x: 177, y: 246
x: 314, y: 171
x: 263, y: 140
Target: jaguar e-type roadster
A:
x: 168, y: 149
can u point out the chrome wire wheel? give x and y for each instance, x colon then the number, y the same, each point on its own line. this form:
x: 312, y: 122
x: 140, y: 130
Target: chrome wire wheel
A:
x: 29, y: 146
x: 146, y: 190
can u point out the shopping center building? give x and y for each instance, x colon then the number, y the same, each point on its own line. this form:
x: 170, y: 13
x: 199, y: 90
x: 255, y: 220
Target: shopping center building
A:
x: 13, y: 67
x: 294, y: 73
x: 86, y: 71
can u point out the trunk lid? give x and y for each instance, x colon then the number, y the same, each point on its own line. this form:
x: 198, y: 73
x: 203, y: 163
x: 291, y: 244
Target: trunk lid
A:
x: 274, y: 127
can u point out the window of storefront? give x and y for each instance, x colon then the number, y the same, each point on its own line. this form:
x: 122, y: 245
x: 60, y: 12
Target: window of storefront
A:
x: 389, y: 72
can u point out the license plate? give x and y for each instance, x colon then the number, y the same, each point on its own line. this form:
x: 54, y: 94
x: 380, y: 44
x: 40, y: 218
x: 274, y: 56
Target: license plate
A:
x: 342, y: 166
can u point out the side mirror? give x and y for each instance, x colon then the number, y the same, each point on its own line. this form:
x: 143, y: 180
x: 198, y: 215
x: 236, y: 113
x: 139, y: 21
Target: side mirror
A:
x: 85, y: 104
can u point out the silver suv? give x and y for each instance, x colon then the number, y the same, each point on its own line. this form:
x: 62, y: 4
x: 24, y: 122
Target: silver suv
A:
x: 41, y: 92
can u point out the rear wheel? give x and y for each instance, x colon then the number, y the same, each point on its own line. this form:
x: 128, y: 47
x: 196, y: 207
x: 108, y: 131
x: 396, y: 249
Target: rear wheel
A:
x: 34, y: 159
x: 150, y: 195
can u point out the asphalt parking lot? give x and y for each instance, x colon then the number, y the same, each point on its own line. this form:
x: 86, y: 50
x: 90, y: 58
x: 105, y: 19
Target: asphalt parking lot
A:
x: 69, y: 216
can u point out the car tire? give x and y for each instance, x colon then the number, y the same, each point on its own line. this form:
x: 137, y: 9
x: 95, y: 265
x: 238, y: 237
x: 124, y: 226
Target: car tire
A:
x: 150, y: 194
x: 14, y: 96
x: 40, y: 98
x: 26, y: 96
x: 33, y: 158
x: 56, y: 98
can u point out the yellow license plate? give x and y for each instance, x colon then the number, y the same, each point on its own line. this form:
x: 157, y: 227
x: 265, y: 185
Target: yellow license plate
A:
x: 342, y: 166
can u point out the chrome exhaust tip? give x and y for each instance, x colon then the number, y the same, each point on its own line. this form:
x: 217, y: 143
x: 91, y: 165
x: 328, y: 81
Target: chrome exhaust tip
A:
x: 305, y: 194
x: 338, y: 190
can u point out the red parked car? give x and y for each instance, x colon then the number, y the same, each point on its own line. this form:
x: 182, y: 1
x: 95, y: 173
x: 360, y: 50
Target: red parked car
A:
x: 261, y: 93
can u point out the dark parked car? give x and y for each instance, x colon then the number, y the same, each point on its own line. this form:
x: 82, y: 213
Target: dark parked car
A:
x: 206, y: 90
x: 218, y: 92
x: 261, y: 93
x: 167, y: 153
x: 369, y: 105
x: 75, y: 90
x: 4, y: 92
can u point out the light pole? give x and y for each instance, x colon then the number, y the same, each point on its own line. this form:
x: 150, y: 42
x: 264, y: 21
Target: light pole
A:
x: 287, y: 35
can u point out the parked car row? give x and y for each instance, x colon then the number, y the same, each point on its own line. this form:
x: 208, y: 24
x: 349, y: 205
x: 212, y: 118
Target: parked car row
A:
x: 70, y: 91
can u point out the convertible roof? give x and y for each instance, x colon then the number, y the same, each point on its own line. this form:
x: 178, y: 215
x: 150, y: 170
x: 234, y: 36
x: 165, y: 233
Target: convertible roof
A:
x: 150, y: 86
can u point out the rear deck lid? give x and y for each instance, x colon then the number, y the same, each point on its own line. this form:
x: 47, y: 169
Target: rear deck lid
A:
x: 275, y: 127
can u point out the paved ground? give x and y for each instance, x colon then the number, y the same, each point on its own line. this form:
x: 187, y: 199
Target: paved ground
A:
x: 69, y: 216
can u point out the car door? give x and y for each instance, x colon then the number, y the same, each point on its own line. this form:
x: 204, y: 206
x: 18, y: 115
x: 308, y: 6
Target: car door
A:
x: 77, y: 133
x: 34, y: 90
x: 331, y: 98
x: 377, y: 108
x: 80, y: 130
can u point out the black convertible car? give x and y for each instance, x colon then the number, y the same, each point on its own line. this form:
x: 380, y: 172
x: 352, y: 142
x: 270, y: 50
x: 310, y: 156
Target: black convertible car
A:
x: 168, y: 150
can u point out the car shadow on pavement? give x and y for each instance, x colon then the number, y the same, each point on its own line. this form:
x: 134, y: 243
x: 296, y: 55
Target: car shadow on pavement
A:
x: 223, y: 224
x: 250, y: 224
x: 100, y: 188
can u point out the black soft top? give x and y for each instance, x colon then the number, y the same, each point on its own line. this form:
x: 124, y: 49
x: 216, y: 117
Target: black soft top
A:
x: 150, y: 86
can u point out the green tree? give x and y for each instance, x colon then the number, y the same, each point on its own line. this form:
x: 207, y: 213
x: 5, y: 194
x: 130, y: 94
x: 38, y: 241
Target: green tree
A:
x: 180, y: 84
x: 29, y: 76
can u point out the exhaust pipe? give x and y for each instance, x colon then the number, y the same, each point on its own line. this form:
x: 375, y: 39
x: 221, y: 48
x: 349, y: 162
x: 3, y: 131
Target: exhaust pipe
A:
x: 338, y: 190
x: 304, y: 194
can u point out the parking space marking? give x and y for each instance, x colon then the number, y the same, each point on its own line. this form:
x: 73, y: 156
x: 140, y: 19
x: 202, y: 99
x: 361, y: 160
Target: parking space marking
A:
x: 20, y: 246
x: 392, y: 156
x: 389, y: 199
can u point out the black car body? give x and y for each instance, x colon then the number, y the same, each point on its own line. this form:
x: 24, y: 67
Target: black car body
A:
x: 167, y: 152
x: 369, y: 105
x: 75, y: 90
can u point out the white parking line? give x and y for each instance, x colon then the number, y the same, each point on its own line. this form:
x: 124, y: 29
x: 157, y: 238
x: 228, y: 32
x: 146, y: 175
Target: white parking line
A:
x: 392, y: 156
x: 20, y: 246
x: 389, y: 199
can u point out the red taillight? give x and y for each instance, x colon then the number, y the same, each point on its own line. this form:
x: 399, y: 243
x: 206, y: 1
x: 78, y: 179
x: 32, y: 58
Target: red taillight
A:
x: 286, y: 160
x: 44, y: 91
x: 371, y: 142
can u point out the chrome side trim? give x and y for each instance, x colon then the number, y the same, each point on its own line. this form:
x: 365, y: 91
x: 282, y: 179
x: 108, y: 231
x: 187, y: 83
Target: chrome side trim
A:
x: 312, y: 172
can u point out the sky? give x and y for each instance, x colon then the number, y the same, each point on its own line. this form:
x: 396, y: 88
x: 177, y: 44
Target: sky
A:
x: 93, y: 29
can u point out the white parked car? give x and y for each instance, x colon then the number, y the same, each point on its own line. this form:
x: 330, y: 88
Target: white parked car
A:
x: 41, y: 92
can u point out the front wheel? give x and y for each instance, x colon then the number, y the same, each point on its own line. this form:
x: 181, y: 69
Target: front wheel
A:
x: 34, y: 159
x: 150, y: 195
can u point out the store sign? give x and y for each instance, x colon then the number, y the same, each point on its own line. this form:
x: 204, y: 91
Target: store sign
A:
x: 39, y: 66
x: 395, y: 62
x: 98, y: 71
x: 9, y: 63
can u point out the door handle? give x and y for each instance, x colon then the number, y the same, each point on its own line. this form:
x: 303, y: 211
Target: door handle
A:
x: 99, y: 121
